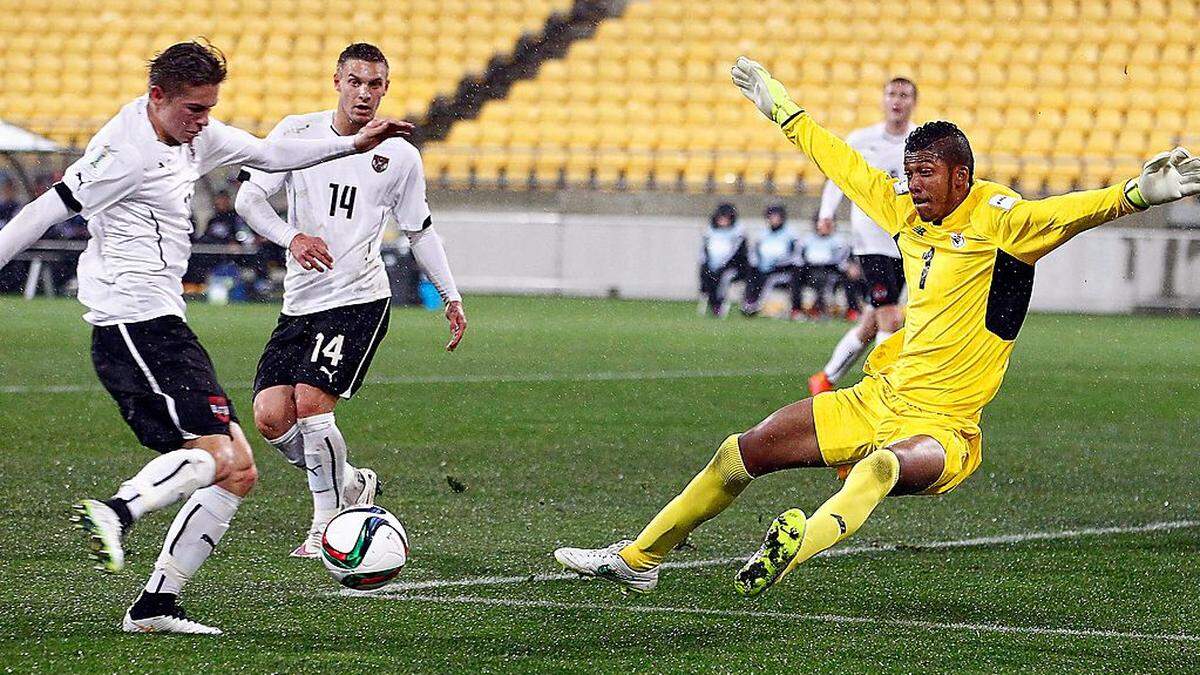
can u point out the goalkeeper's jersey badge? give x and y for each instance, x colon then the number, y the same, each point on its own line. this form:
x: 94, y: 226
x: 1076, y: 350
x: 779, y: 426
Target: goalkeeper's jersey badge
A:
x: 957, y: 240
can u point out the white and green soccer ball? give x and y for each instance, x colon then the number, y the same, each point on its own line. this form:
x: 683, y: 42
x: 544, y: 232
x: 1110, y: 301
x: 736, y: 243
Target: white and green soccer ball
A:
x: 364, y: 547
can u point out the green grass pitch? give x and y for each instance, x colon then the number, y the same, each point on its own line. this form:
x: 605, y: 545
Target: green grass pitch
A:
x: 572, y: 422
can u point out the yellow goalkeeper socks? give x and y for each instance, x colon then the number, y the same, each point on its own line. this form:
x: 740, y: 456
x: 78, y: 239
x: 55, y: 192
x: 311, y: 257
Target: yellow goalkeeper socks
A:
x: 869, y: 482
x: 709, y: 493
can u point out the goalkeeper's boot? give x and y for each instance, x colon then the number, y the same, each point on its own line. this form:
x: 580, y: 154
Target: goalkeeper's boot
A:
x: 605, y: 563
x: 819, y: 383
x: 105, y: 532
x: 161, y: 613
x: 778, y: 549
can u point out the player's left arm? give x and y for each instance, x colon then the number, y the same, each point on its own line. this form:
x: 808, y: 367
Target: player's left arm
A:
x: 412, y: 214
x: 1030, y: 229
x: 230, y: 145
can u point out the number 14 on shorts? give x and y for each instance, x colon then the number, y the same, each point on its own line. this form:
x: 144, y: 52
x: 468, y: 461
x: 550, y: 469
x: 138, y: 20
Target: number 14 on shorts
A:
x: 332, y: 349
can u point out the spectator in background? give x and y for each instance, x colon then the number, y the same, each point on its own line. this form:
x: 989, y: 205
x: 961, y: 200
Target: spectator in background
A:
x: 825, y: 255
x: 773, y: 261
x: 225, y: 225
x: 722, y: 257
x: 8, y: 202
x: 222, y: 229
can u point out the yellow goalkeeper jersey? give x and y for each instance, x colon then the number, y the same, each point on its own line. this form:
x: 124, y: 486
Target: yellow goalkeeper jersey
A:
x: 969, y: 275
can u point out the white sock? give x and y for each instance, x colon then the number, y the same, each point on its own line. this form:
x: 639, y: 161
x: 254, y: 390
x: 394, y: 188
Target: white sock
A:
x: 325, y: 457
x: 197, y: 530
x: 845, y: 354
x: 291, y: 444
x: 882, y: 335
x: 166, y: 479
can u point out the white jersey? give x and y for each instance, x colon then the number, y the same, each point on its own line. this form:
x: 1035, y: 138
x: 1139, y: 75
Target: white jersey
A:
x: 882, y: 151
x: 135, y: 192
x: 346, y: 202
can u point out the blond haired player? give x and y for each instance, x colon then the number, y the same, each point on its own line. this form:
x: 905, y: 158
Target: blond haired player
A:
x: 912, y: 425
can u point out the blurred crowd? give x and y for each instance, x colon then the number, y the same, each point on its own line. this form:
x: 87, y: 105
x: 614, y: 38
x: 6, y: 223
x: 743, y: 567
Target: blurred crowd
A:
x: 816, y: 269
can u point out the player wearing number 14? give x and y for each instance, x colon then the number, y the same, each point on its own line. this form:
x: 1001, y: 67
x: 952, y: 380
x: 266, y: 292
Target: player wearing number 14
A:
x: 336, y: 297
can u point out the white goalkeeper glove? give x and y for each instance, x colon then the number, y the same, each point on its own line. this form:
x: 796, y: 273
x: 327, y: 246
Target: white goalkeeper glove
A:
x: 1166, y: 177
x: 764, y: 91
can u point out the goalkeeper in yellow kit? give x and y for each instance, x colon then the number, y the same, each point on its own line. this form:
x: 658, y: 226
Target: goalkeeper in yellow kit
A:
x: 912, y: 425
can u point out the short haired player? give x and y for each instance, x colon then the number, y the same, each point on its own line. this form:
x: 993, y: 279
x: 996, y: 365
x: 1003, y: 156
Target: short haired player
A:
x: 336, y: 299
x: 134, y: 185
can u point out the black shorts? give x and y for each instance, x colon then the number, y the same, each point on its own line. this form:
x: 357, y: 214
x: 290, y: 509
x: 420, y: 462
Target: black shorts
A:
x: 329, y: 350
x: 885, y: 278
x: 162, y: 380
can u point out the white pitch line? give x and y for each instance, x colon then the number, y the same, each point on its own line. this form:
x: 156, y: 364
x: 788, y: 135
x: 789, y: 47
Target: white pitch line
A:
x: 503, y: 378
x: 997, y: 540
x: 823, y: 618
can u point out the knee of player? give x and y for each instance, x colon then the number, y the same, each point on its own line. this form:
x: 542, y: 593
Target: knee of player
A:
x: 272, y: 420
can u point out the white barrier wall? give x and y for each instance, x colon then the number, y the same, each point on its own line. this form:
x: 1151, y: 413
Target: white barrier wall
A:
x: 1109, y: 270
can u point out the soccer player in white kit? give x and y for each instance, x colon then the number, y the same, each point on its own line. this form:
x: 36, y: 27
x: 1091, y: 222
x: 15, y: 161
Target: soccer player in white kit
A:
x: 134, y: 185
x: 336, y: 298
x: 882, y: 145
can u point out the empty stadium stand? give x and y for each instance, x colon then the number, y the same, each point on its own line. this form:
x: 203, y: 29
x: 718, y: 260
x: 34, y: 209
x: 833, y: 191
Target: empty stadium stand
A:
x: 67, y: 68
x: 1055, y: 94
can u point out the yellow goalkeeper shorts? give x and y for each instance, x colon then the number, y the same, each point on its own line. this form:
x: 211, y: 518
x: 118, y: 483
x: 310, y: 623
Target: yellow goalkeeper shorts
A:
x: 851, y: 423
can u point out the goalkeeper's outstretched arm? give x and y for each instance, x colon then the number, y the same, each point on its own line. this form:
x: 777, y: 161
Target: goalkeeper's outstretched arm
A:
x: 871, y: 189
x: 1029, y: 229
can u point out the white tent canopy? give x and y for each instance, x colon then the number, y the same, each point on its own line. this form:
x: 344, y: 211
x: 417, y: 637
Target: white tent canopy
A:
x: 16, y: 139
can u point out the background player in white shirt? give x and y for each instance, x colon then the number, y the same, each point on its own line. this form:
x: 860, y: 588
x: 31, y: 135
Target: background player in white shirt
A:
x: 336, y: 297
x: 134, y: 185
x: 882, y: 145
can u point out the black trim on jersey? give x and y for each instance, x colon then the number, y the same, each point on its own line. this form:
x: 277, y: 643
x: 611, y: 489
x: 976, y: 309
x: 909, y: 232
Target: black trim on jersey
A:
x: 1008, y: 297
x: 428, y: 223
x: 158, y: 233
x: 64, y: 193
x: 896, y: 238
x: 792, y: 117
x: 243, y: 176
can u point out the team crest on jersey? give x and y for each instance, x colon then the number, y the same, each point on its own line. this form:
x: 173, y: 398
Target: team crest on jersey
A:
x: 379, y: 163
x: 220, y: 408
x: 958, y: 240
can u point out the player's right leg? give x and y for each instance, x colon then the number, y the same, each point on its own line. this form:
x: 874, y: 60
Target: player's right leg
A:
x: 786, y: 439
x: 193, y: 536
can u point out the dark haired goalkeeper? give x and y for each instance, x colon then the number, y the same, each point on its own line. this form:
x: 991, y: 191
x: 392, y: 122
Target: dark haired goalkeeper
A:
x: 912, y: 425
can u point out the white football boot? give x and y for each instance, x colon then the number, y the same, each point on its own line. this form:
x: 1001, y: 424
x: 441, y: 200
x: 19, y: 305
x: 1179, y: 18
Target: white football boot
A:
x: 604, y: 563
x: 311, y: 546
x: 365, y: 490
x: 362, y: 492
x: 175, y: 621
x: 104, y: 533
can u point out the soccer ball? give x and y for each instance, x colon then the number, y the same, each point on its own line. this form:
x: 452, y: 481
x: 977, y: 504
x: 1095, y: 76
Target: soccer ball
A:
x: 364, y: 547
